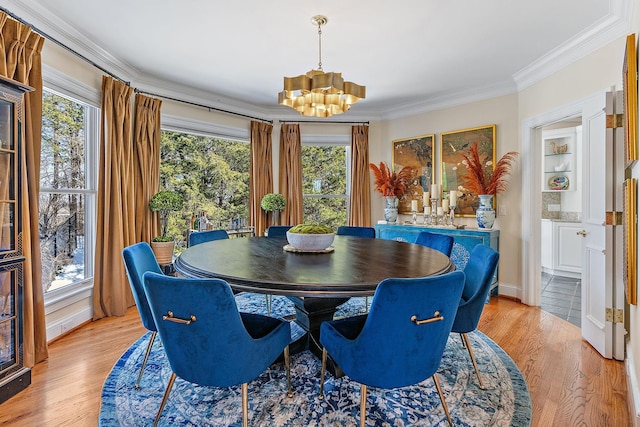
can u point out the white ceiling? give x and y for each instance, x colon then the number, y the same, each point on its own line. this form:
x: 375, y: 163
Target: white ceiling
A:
x: 412, y: 55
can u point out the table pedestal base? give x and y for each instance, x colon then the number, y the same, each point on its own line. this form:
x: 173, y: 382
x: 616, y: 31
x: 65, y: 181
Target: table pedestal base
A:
x: 310, y: 313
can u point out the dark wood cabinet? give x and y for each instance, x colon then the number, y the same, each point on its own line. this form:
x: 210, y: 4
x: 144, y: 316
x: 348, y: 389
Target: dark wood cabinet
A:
x: 14, y: 376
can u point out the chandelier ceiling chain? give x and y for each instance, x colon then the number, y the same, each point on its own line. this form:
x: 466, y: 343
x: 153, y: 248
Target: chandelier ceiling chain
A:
x: 320, y: 94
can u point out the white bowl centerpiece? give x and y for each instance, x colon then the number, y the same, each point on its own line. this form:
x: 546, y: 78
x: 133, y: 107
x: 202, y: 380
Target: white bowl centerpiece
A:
x: 310, y: 237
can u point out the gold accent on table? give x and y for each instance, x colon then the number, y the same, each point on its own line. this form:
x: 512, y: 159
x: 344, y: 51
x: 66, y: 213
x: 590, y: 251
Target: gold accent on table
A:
x: 320, y: 94
x: 436, y: 317
x: 170, y: 317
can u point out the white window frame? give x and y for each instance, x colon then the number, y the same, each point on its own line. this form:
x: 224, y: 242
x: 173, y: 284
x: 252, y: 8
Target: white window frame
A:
x: 332, y: 140
x: 61, y: 84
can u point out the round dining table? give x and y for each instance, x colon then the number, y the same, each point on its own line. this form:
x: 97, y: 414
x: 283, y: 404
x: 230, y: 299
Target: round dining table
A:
x: 352, y: 266
x: 317, y: 282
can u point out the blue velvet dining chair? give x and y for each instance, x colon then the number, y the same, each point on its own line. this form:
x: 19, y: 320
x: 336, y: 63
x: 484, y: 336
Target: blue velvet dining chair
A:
x: 439, y: 242
x: 207, y: 341
x: 278, y: 230
x: 138, y: 259
x: 478, y: 278
x: 402, y: 339
x: 197, y: 237
x: 351, y: 230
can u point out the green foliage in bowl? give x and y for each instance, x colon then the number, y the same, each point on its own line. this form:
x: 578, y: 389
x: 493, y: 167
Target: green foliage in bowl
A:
x: 311, y: 229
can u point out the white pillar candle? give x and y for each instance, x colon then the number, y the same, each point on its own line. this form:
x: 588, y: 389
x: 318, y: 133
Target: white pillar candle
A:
x: 427, y: 210
x: 414, y: 206
x: 445, y: 205
x: 440, y: 211
x: 425, y: 198
x: 435, y: 190
x: 453, y: 198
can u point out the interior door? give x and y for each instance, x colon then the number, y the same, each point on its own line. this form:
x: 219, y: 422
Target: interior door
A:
x: 599, y: 239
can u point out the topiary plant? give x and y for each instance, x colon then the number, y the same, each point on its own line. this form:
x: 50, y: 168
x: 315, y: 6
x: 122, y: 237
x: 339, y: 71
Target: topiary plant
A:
x: 273, y: 202
x: 164, y: 202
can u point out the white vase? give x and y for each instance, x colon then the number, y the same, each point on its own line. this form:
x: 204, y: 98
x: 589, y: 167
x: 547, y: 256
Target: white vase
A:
x: 391, y: 209
x: 485, y: 214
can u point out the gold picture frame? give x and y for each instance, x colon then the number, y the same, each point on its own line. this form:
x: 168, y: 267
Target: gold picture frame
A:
x: 417, y: 153
x: 630, y: 93
x: 451, y: 145
x: 630, y: 240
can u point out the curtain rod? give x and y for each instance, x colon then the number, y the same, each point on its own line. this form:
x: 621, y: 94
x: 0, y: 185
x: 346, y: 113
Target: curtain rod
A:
x: 202, y: 106
x: 324, y: 121
x: 104, y: 70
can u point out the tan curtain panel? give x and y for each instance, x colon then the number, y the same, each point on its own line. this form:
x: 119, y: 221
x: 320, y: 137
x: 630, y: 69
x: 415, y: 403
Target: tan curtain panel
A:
x: 146, y: 165
x: 116, y: 207
x: 291, y: 173
x: 360, y: 198
x: 20, y: 60
x: 261, y: 176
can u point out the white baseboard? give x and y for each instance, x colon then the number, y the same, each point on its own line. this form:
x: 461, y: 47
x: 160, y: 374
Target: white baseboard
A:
x: 509, y: 290
x: 633, y: 401
x: 65, y: 324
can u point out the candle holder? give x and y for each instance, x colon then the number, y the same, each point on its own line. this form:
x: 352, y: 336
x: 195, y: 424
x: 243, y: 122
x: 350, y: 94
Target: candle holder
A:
x: 434, y: 210
x: 452, y: 214
x: 414, y: 220
x: 426, y: 215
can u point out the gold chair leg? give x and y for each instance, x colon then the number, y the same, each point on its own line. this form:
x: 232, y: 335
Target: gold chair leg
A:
x: 363, y: 405
x: 467, y: 343
x: 245, y: 405
x: 287, y: 365
x: 267, y: 298
x: 146, y: 357
x: 444, y: 403
x: 172, y: 379
x: 324, y: 367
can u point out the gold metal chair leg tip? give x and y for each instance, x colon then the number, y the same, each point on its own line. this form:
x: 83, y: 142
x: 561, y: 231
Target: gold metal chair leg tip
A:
x: 290, y: 395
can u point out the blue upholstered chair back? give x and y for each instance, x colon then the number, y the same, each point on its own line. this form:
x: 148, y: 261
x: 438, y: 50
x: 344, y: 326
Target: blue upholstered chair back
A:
x: 278, y: 230
x: 478, y: 277
x: 138, y: 259
x: 350, y: 230
x: 392, y: 351
x: 439, y: 242
x: 197, y: 237
x: 215, y: 349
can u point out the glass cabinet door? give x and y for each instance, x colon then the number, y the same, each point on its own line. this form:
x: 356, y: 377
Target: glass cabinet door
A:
x: 8, y: 173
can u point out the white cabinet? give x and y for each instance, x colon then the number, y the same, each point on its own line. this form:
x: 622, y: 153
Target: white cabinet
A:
x: 559, y: 160
x: 561, y: 248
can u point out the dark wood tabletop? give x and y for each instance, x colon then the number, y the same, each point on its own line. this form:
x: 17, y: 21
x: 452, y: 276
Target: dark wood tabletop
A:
x: 354, y: 268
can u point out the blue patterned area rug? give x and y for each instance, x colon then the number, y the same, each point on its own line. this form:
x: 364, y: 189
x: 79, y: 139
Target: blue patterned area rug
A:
x: 505, y: 402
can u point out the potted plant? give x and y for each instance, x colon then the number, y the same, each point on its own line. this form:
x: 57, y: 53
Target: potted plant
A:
x: 164, y: 202
x: 391, y: 185
x: 274, y: 203
x: 479, y: 179
x: 310, y: 237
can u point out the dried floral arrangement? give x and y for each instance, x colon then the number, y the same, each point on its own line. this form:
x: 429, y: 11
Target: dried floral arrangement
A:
x: 480, y: 182
x: 389, y: 183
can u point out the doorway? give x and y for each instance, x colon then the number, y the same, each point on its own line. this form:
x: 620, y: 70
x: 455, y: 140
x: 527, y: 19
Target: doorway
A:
x: 561, y: 213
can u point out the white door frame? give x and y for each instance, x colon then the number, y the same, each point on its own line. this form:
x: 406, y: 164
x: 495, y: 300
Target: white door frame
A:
x: 531, y: 190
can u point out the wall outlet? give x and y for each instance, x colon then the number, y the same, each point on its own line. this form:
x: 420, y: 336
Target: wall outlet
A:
x: 502, y: 210
x: 553, y: 208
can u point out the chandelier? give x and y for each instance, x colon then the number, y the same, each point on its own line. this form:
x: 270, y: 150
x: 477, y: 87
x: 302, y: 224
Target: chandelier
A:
x: 320, y: 94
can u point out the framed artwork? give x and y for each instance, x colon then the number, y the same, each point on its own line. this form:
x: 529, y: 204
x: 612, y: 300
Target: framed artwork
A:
x: 630, y: 94
x: 630, y: 240
x: 456, y: 142
x: 416, y: 152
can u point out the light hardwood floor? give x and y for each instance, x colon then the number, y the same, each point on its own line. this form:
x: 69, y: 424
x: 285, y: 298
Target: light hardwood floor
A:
x: 570, y: 384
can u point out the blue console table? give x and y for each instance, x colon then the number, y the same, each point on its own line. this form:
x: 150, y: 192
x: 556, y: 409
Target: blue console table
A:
x: 463, y: 241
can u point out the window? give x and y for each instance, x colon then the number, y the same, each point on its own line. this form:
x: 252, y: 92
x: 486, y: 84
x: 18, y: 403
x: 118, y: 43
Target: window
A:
x: 67, y: 190
x: 213, y: 175
x: 325, y: 184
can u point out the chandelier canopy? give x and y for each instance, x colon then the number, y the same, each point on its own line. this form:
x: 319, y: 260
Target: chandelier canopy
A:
x: 320, y: 94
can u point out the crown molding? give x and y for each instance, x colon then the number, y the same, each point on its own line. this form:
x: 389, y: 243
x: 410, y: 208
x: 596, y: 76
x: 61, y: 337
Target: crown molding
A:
x: 616, y: 24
